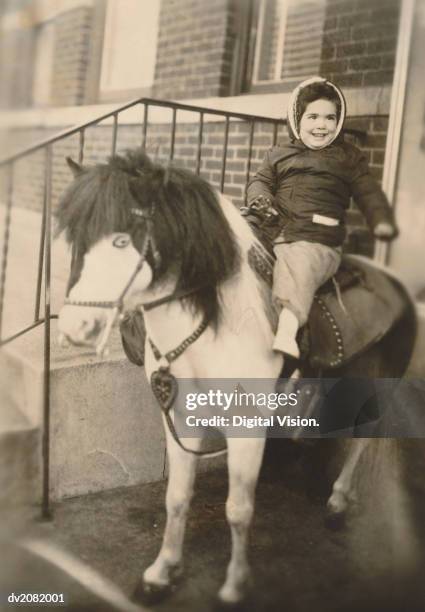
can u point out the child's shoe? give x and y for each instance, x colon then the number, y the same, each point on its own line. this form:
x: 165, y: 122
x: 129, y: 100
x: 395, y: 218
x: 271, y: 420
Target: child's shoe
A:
x: 285, y: 338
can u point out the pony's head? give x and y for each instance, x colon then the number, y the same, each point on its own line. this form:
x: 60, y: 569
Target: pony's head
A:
x: 132, y: 210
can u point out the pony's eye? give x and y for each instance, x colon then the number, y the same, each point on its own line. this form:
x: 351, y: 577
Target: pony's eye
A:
x: 121, y: 241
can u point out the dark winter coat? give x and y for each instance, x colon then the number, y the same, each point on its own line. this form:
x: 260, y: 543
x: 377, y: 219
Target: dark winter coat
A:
x: 302, y: 182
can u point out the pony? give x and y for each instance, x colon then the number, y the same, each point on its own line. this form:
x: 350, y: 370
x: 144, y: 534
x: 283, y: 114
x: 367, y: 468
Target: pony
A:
x: 160, y: 239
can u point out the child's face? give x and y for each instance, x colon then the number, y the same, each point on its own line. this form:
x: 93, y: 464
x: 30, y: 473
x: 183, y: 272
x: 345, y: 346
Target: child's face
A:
x: 318, y: 124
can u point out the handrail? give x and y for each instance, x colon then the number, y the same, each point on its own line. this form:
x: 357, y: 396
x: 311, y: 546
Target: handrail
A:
x: 46, y: 144
x: 25, y: 330
x: 147, y: 101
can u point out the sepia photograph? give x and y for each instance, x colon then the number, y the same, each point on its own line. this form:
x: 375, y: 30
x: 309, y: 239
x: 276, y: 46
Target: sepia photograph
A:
x: 212, y: 305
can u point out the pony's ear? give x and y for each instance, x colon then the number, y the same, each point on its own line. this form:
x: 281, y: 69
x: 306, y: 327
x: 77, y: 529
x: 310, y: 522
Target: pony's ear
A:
x: 75, y: 168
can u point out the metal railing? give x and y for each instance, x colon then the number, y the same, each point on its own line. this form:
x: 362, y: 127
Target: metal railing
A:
x: 44, y: 253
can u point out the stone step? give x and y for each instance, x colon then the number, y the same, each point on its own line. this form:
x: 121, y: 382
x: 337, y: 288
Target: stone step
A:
x: 105, y: 426
x: 106, y: 429
x: 19, y: 459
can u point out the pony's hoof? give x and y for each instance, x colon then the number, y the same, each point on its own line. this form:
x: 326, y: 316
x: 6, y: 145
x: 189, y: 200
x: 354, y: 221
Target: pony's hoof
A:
x: 235, y: 601
x: 230, y: 606
x: 336, y: 520
x: 152, y: 594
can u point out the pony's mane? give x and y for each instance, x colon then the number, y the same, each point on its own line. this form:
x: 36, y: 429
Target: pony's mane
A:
x: 191, y: 231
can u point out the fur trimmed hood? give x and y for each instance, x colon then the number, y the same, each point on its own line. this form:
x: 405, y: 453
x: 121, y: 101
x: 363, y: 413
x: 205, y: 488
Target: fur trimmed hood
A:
x: 293, y: 113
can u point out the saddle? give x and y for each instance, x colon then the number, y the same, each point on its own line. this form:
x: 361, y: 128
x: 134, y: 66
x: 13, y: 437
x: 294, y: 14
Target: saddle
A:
x: 350, y: 312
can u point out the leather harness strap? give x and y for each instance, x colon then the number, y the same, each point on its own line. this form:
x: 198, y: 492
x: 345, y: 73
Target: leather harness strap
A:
x: 165, y: 385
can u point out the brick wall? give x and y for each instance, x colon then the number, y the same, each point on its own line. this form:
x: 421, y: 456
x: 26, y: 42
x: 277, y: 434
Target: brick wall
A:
x: 359, y: 41
x: 29, y: 177
x: 71, y: 56
x: 359, y: 238
x: 195, y: 49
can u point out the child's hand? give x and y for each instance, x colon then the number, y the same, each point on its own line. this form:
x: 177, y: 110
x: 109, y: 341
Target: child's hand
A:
x: 384, y: 230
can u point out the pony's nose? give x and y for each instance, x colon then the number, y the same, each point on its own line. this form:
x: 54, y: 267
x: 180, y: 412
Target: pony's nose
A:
x: 85, y: 335
x: 78, y: 330
x: 90, y: 328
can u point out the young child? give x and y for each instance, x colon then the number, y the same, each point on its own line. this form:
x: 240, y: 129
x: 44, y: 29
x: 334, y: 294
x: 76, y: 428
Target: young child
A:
x: 304, y: 189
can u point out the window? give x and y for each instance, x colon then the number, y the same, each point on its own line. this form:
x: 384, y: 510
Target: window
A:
x: 289, y: 39
x: 129, y: 48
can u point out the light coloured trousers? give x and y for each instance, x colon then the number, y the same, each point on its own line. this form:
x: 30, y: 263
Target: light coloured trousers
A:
x: 300, y: 269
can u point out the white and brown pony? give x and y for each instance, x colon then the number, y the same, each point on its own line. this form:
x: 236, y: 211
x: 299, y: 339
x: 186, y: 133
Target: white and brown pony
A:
x: 161, y: 239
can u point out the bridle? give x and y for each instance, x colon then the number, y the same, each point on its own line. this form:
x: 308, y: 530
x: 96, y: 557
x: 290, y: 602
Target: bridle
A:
x: 117, y: 306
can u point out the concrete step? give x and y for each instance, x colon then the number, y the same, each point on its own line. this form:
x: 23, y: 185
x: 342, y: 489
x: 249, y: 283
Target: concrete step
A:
x: 105, y: 426
x: 19, y: 459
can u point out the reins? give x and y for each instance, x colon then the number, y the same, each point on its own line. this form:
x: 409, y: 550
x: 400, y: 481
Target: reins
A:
x: 176, y: 295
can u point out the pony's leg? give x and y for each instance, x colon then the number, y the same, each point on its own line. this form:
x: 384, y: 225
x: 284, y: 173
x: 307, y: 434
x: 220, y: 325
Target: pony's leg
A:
x: 244, y: 462
x: 182, y: 469
x: 342, y: 490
